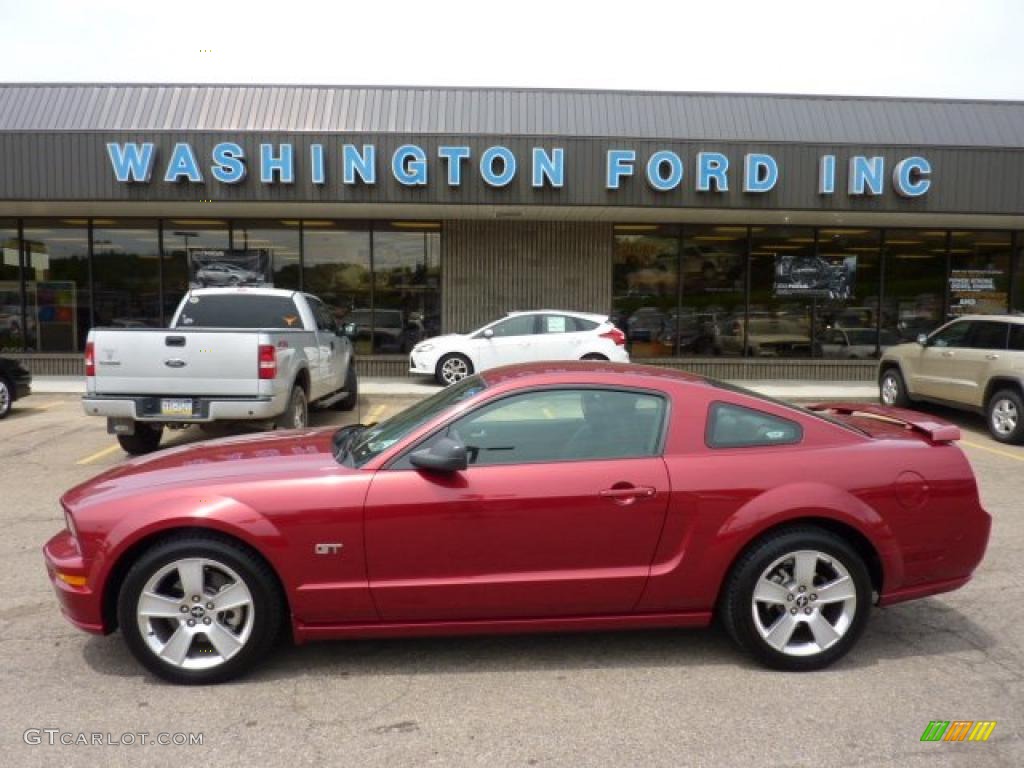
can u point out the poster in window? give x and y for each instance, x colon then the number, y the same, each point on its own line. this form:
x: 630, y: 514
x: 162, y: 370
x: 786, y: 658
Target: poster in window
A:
x: 976, y: 292
x: 221, y: 267
x: 815, y: 277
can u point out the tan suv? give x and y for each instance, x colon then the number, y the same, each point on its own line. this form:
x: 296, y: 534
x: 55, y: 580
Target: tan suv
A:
x: 975, y: 362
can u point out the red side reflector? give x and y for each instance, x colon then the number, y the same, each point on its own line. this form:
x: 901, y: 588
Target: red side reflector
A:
x: 90, y: 359
x: 615, y: 335
x: 268, y: 361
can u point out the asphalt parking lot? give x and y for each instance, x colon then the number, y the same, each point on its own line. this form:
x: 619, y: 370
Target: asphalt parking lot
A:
x: 631, y: 699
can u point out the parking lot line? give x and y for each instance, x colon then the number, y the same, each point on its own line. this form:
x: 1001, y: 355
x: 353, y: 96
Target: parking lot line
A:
x: 996, y: 451
x: 99, y: 455
x: 376, y: 412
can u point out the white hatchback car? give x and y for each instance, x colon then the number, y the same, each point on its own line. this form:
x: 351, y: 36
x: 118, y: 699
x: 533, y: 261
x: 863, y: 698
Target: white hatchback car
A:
x: 520, y: 337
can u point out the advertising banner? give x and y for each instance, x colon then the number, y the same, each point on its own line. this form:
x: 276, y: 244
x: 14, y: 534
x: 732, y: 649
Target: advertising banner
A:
x: 975, y: 291
x: 815, y: 277
x: 221, y: 267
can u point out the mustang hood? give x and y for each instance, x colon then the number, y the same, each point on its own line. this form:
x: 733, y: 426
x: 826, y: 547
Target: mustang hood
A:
x: 229, y: 460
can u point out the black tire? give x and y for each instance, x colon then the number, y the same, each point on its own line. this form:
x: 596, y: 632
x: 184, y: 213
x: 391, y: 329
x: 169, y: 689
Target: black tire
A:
x: 1005, y: 415
x: 6, y: 397
x: 145, y: 440
x: 348, y: 402
x: 737, y: 608
x: 258, y: 578
x: 289, y: 419
x: 440, y: 372
x: 594, y: 356
x: 891, y: 381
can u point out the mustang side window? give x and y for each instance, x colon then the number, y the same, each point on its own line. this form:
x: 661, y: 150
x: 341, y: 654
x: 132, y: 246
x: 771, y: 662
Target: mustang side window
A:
x: 733, y: 426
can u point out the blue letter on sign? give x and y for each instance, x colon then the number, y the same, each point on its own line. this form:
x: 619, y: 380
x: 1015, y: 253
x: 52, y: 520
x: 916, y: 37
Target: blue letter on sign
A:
x: 352, y: 162
x: 132, y: 162
x: 282, y: 166
x: 183, y: 163
x: 712, y: 166
x: 552, y: 168
x: 760, y: 173
x: 620, y: 163
x: 409, y: 166
x: 827, y: 175
x: 318, y: 173
x: 908, y: 176
x: 656, y: 178
x: 454, y: 157
x: 228, y: 166
x: 508, y: 170
x: 866, y: 171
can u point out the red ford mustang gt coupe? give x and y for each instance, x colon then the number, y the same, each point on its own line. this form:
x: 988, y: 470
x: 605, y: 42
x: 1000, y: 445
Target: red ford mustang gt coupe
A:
x: 545, y: 497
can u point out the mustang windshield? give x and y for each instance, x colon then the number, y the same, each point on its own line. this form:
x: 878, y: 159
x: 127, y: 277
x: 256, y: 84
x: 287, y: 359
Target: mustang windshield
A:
x: 382, y: 436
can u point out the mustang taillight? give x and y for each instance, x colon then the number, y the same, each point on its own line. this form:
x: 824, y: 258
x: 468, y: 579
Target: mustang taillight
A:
x: 268, y: 361
x: 90, y: 359
x: 615, y: 335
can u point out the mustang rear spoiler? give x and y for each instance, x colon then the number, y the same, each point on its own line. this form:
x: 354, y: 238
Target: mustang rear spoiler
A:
x: 934, y: 429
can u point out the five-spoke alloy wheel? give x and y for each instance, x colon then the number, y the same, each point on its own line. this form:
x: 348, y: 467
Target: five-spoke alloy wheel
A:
x: 797, y: 599
x: 198, y: 609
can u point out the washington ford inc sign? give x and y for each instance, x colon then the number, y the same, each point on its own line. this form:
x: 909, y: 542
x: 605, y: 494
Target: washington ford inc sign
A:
x: 664, y: 170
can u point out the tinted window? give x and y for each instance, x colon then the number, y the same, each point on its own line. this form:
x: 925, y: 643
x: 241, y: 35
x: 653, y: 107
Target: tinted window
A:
x: 520, y: 325
x: 562, y: 425
x: 987, y: 335
x: 582, y: 325
x: 240, y: 311
x: 1017, y: 337
x: 954, y: 335
x: 733, y: 426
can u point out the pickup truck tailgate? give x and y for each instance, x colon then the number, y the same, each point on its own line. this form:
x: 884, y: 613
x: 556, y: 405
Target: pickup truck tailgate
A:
x: 146, y: 361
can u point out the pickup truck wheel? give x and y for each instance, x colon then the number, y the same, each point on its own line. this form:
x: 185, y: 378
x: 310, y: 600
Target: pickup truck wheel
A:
x: 892, y: 389
x: 296, y: 415
x: 6, y: 397
x: 1006, y: 416
x: 452, y: 368
x: 798, y: 599
x: 196, y: 609
x: 348, y: 402
x: 145, y: 440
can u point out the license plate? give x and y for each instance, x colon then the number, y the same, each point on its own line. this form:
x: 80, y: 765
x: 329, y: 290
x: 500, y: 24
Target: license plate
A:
x: 176, y: 408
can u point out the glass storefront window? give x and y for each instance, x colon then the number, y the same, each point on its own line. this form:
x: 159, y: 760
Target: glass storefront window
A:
x: 126, y: 273
x: 915, y: 281
x: 57, y: 284
x: 710, y: 319
x: 1018, y: 276
x: 181, y: 237
x: 847, y: 322
x: 280, y: 239
x: 788, y: 282
x: 645, y: 287
x: 337, y: 270
x: 11, y: 318
x: 407, y: 287
x: 979, y: 273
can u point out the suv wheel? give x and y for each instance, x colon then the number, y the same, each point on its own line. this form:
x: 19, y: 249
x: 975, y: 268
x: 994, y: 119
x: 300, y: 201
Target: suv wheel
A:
x: 6, y: 397
x: 892, y: 389
x: 145, y: 440
x: 1006, y: 416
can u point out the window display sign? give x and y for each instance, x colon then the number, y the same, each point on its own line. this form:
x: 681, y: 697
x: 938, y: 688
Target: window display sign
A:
x: 975, y: 291
x: 221, y: 267
x: 815, y: 277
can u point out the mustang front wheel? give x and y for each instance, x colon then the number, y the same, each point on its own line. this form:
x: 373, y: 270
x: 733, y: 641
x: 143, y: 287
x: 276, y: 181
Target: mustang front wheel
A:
x: 798, y: 599
x: 196, y: 609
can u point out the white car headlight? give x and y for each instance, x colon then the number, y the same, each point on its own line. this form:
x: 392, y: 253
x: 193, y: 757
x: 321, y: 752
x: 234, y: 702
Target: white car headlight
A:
x: 423, y: 348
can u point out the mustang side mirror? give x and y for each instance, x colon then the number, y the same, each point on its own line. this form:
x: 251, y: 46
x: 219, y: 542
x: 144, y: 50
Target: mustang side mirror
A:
x: 488, y: 333
x: 922, y: 339
x: 446, y: 455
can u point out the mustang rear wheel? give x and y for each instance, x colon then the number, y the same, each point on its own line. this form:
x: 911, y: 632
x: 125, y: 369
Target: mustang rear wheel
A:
x: 798, y: 599
x: 195, y: 609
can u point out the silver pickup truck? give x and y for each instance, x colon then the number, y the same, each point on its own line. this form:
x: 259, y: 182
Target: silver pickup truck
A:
x: 230, y: 354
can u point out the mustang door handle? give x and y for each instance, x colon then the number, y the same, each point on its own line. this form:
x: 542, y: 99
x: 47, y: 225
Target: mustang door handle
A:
x: 628, y: 494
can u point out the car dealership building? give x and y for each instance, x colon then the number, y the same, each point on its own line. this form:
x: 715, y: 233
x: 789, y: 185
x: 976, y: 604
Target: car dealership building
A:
x: 745, y: 236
